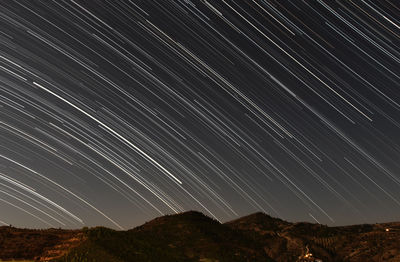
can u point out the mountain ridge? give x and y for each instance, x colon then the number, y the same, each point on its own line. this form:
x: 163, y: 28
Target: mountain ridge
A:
x: 193, y: 236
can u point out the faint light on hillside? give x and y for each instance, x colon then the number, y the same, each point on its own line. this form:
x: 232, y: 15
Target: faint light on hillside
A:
x: 387, y: 229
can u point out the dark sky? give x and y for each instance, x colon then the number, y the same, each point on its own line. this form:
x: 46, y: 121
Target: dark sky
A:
x: 115, y: 112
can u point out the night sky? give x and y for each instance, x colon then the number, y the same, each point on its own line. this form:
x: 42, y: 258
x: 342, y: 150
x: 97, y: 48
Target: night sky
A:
x: 116, y: 112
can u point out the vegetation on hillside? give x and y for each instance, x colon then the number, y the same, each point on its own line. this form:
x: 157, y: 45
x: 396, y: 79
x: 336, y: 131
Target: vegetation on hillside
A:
x: 188, y: 237
x: 192, y: 236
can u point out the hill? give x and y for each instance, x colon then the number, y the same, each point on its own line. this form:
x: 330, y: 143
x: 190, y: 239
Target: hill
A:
x: 284, y: 241
x: 33, y: 244
x: 192, y: 236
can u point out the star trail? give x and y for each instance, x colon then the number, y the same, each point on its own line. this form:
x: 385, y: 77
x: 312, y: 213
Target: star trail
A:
x: 115, y: 112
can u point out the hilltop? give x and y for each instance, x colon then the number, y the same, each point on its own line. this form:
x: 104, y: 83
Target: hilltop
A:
x: 192, y: 236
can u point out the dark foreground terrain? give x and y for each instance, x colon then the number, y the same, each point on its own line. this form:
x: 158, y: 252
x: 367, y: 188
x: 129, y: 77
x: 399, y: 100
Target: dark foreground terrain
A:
x: 192, y: 236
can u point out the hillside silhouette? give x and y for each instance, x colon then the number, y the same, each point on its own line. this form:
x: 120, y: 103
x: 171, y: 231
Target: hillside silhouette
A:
x: 192, y: 236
